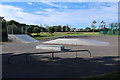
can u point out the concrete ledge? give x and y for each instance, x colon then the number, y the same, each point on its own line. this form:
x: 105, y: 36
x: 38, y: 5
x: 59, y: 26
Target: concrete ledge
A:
x: 50, y: 47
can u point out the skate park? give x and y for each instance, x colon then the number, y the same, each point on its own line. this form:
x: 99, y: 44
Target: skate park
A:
x: 103, y: 59
x: 42, y: 63
x: 67, y: 56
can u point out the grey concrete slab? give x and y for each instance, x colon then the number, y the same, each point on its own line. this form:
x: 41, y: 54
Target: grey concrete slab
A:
x: 76, y: 41
x: 50, y: 47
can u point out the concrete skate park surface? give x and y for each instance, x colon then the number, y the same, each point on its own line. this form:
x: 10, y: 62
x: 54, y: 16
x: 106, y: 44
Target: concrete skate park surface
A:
x: 104, y: 60
x: 74, y: 41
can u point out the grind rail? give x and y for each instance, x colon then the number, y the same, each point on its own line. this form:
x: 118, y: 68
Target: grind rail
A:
x: 52, y: 54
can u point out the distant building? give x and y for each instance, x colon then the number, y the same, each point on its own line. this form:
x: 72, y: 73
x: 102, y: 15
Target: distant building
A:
x: 104, y: 28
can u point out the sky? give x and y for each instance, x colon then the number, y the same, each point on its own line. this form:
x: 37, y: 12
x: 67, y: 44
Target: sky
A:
x: 75, y: 14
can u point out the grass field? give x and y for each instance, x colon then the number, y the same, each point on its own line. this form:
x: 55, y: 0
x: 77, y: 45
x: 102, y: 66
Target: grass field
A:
x: 44, y: 35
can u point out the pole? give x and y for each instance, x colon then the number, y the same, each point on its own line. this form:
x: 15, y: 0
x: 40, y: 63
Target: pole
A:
x: 12, y: 33
x: 7, y: 31
x: 12, y: 30
x: 21, y: 30
x: 26, y: 29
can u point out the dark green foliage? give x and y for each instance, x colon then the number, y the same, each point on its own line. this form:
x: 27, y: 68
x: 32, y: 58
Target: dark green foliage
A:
x: 43, y: 29
x: 66, y: 28
x: 88, y: 28
x: 57, y: 28
x: 30, y: 29
x: 93, y: 26
x: 51, y: 30
x: 37, y: 30
x: 4, y: 31
x: 13, y: 22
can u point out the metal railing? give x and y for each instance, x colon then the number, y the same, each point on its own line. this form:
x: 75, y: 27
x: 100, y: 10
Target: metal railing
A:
x: 51, y: 52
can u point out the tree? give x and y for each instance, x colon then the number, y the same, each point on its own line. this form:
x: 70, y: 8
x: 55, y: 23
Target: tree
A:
x: 81, y: 29
x: 67, y: 28
x: 30, y: 29
x: 93, y: 25
x: 40, y: 25
x: 13, y: 22
x: 16, y: 30
x: 88, y: 28
x: 37, y: 30
x: 51, y: 30
x: 44, y: 29
x: 73, y: 29
x: 94, y: 22
x: 102, y: 24
x: 57, y: 28
x: 64, y: 29
x: 46, y: 26
x: 4, y: 31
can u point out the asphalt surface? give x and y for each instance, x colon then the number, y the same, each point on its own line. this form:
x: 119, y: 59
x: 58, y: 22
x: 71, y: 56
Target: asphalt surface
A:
x: 64, y: 65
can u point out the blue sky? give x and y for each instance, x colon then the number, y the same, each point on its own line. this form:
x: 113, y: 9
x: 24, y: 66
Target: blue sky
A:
x: 76, y: 14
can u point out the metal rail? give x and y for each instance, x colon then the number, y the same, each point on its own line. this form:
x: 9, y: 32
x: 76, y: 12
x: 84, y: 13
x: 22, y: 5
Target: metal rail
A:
x: 52, y: 54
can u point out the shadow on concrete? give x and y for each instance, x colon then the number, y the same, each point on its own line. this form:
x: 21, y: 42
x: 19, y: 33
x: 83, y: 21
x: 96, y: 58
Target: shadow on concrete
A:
x: 42, y: 66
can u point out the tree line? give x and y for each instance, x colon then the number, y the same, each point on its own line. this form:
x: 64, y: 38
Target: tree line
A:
x: 33, y: 28
x: 38, y: 28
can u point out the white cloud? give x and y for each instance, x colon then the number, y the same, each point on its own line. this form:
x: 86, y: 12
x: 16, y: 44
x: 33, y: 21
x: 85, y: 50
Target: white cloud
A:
x: 46, y: 11
x: 50, y: 10
x: 29, y: 3
x: 54, y: 5
x: 61, y: 0
x: 40, y: 12
x: 82, y: 17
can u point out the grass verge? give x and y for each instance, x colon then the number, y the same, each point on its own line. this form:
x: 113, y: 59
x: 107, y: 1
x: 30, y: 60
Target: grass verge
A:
x: 46, y: 35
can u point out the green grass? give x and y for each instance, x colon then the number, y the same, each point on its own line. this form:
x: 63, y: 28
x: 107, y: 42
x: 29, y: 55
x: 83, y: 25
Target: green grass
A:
x: 109, y: 35
x: 46, y: 35
x: 112, y: 75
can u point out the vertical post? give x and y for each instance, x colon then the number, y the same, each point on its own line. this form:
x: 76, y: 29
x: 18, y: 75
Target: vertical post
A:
x: 12, y: 33
x: 76, y: 54
x: 7, y: 32
x: 26, y: 29
x: 21, y: 30
x: 1, y: 47
x: 12, y: 30
x: 52, y: 55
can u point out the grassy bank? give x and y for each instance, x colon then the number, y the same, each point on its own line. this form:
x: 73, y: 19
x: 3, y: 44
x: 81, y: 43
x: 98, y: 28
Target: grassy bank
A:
x: 44, y: 35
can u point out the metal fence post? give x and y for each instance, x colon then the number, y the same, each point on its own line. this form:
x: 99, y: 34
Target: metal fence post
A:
x: 76, y: 54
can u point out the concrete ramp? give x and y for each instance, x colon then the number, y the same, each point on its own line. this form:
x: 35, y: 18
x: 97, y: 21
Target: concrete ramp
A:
x: 22, y: 38
x: 77, y: 42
